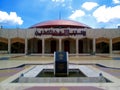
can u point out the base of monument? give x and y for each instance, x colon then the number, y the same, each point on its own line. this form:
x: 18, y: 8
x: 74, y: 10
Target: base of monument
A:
x: 50, y: 73
x: 46, y: 75
x: 61, y: 75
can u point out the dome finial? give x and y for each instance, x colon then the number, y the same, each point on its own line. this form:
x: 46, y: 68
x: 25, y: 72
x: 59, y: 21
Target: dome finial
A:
x: 59, y: 15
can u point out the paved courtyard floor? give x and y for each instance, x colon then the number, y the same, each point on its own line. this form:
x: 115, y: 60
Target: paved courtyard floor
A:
x: 11, y: 68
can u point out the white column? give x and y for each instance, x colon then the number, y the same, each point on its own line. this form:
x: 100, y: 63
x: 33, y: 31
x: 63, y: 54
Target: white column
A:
x: 110, y: 46
x: 77, y: 46
x: 60, y: 44
x: 9, y: 45
x: 43, y: 46
x: 26, y: 46
x: 94, y: 45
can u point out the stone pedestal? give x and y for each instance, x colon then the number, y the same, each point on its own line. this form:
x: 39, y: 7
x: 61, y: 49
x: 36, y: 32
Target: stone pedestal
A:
x: 61, y: 64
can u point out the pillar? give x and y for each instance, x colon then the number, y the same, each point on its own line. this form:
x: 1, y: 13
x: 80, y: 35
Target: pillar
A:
x: 43, y: 46
x: 26, y: 43
x: 94, y: 45
x: 60, y: 44
x: 77, y: 46
x: 88, y: 45
x: 26, y: 46
x: 9, y: 45
x: 110, y: 46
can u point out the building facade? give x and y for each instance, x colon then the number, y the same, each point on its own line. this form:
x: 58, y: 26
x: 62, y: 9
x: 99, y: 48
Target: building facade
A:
x: 60, y: 35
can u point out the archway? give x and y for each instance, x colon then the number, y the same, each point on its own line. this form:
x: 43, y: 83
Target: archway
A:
x: 80, y: 45
x: 34, y: 45
x: 116, y: 44
x: 17, y: 47
x: 85, y: 45
x: 39, y: 46
x: 102, y: 47
x: 67, y: 46
x: 53, y: 45
x: 3, y: 46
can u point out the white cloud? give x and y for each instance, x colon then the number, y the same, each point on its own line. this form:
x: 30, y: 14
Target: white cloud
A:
x: 63, y: 4
x: 116, y: 1
x: 11, y: 18
x: 89, y: 5
x: 69, y: 4
x: 105, y: 14
x: 58, y: 0
x: 76, y: 14
x: 118, y: 25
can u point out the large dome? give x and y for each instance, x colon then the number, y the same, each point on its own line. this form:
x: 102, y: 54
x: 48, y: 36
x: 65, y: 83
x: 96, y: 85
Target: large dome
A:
x: 60, y: 23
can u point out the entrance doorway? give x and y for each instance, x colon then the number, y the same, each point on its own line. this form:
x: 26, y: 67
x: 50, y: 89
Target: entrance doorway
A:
x: 67, y: 46
x: 3, y: 46
x: 17, y: 47
x: 80, y: 45
x: 53, y: 46
x: 102, y: 47
x: 39, y: 46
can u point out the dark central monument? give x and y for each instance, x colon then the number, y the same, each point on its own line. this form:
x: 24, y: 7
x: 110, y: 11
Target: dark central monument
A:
x: 61, y: 64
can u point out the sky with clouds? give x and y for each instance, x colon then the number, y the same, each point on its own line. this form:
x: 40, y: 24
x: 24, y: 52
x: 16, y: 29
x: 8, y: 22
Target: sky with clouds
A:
x: 94, y: 13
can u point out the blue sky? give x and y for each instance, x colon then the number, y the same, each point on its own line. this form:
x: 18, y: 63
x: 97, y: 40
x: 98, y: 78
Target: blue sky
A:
x: 94, y: 13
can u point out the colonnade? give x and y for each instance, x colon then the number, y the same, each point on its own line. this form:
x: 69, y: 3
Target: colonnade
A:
x: 61, y: 46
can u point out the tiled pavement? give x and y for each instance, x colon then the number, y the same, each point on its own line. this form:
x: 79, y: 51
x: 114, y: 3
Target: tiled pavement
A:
x: 65, y: 88
x: 6, y: 75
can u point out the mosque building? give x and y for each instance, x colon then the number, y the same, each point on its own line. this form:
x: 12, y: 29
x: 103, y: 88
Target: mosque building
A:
x: 47, y: 37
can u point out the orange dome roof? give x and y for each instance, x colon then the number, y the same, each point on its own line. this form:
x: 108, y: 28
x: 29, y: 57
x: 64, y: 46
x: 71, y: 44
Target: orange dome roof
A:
x: 60, y: 23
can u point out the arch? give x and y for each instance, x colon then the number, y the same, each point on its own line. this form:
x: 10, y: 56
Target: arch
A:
x: 80, y: 46
x: 85, y: 45
x: 34, y: 45
x: 116, y: 43
x: 17, y: 39
x: 17, y: 47
x: 69, y: 45
x: 116, y: 40
x: 102, y: 47
x: 102, y: 39
x: 51, y: 45
x: 39, y: 44
x: 3, y: 40
x: 3, y: 46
